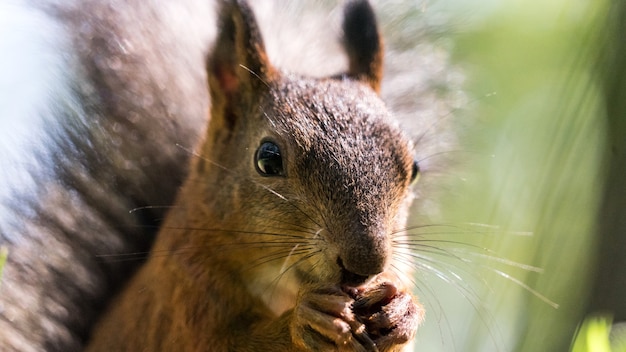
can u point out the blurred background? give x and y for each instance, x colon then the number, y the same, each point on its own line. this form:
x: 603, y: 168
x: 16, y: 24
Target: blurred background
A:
x: 539, y: 176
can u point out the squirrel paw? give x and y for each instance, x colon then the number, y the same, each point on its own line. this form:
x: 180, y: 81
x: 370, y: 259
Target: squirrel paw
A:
x: 381, y: 318
x: 390, y: 316
x: 324, y: 321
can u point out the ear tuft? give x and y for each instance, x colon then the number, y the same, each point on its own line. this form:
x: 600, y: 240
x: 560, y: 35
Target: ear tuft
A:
x: 238, y: 65
x: 363, y: 43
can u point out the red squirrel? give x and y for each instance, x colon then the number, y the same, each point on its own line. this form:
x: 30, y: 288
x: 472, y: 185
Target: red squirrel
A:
x: 296, y: 193
x: 286, y: 225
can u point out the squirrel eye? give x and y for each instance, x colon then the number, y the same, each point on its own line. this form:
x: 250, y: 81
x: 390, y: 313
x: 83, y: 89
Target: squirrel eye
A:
x: 415, y: 172
x: 268, y: 160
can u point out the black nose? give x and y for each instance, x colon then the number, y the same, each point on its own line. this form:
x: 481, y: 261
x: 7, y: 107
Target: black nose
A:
x: 349, y: 278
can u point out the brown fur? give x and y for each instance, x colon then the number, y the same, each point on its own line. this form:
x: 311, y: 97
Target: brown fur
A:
x: 306, y: 260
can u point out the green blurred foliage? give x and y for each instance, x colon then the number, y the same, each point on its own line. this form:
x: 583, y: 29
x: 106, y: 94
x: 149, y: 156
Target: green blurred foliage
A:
x: 593, y: 336
x: 532, y: 175
x: 597, y: 334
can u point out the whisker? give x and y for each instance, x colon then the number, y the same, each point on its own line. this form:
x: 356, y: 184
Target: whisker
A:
x: 281, y: 241
x: 468, y: 270
x: 125, y: 257
x: 426, y: 294
x: 499, y: 229
x: 448, y: 276
x: 450, y: 253
x: 255, y: 75
x: 277, y: 255
x: 417, y: 245
x: 145, y: 207
x: 455, y: 280
x: 191, y: 152
x: 417, y: 242
x: 300, y: 260
x: 460, y: 255
x: 240, y: 232
x: 304, y: 229
x: 224, y: 168
x: 471, y: 230
x: 284, y: 269
x: 425, y: 248
x: 526, y: 287
x: 500, y: 260
x: 427, y: 131
x: 443, y: 152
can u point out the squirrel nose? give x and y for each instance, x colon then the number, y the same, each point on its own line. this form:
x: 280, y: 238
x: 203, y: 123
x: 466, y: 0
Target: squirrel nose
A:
x: 352, y: 277
x: 363, y: 250
x: 349, y: 278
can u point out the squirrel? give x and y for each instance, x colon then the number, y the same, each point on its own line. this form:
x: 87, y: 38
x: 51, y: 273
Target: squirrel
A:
x: 102, y: 96
x: 286, y: 234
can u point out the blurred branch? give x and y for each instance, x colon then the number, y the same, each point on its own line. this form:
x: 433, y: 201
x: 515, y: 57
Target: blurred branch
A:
x: 609, y: 285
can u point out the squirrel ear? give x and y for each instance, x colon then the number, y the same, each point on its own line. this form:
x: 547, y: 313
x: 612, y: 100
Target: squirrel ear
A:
x: 238, y: 64
x: 363, y: 43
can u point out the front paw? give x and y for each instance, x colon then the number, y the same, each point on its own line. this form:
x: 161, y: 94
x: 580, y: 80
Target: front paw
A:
x: 324, y: 321
x: 390, y: 315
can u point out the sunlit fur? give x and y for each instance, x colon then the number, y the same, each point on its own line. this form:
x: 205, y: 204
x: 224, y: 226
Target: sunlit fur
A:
x: 89, y: 186
x: 290, y: 261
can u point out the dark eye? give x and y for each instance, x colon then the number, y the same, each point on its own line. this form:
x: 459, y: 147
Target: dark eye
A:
x: 268, y: 160
x: 415, y: 173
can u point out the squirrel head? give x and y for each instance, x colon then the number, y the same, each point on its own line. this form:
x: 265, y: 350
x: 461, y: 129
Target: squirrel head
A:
x: 317, y: 166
